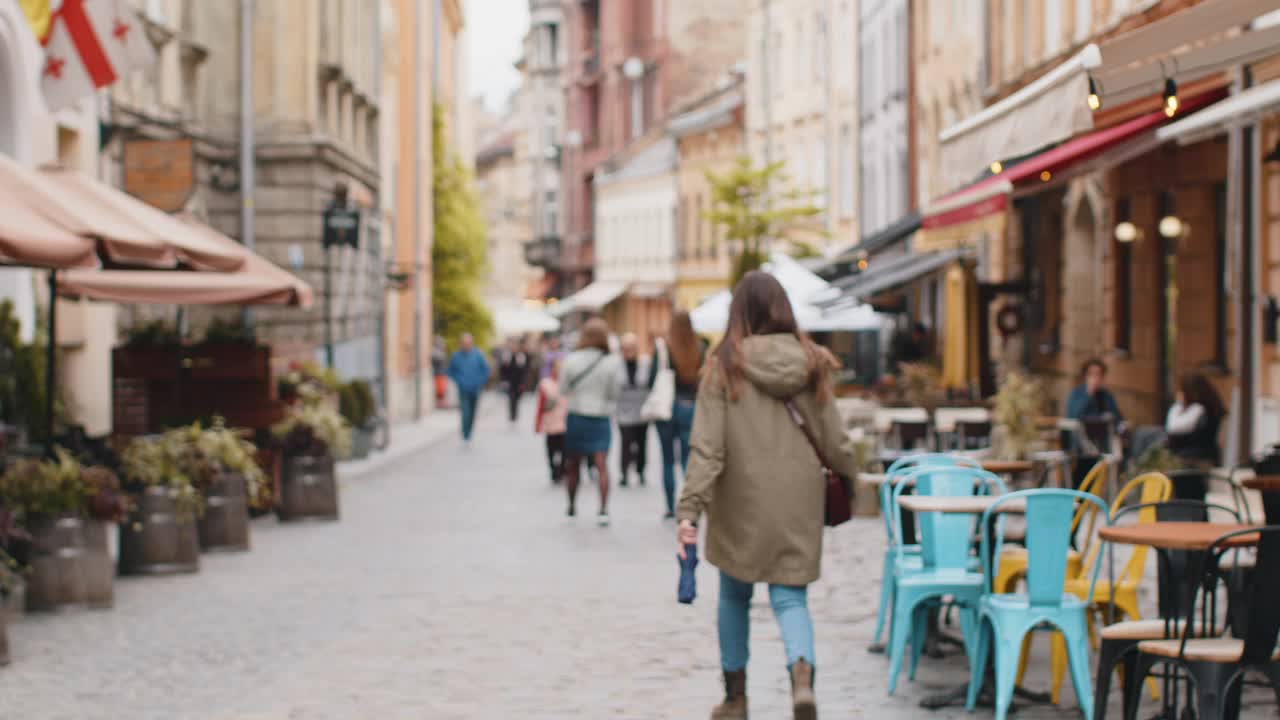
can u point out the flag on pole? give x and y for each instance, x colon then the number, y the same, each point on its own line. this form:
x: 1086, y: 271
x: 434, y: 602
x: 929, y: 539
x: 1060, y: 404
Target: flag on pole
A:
x: 38, y: 15
x: 90, y: 45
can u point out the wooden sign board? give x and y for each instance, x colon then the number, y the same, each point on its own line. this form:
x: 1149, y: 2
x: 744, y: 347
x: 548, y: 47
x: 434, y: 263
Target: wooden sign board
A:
x: 161, y: 173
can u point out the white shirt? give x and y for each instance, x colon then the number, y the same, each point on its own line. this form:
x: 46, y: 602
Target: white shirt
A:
x: 1182, y: 419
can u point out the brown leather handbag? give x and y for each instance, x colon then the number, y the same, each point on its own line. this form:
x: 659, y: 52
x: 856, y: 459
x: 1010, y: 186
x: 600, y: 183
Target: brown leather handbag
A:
x: 839, y: 503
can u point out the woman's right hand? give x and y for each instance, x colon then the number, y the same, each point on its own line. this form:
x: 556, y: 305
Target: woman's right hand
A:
x: 686, y: 534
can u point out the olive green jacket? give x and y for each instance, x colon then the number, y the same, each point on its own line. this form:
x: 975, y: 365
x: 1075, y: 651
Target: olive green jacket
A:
x: 752, y: 471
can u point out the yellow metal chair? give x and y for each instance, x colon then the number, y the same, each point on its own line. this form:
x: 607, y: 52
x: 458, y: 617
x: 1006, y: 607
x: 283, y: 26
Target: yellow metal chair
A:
x: 1123, y: 598
x: 1013, y: 561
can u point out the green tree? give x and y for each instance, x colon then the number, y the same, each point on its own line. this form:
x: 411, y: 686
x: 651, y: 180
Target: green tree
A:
x: 755, y: 206
x: 458, y: 253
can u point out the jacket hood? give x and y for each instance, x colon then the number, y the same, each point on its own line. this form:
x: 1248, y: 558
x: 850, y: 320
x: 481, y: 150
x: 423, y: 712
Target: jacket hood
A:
x: 776, y: 364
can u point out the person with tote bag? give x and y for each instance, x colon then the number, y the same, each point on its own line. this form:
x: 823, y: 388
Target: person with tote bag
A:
x: 674, y: 395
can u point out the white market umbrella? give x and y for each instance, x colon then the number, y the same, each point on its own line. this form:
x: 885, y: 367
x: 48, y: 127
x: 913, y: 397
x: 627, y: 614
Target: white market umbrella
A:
x: 801, y: 286
x: 511, y: 320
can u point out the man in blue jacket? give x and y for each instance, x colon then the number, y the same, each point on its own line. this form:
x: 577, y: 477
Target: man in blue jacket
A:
x: 469, y: 370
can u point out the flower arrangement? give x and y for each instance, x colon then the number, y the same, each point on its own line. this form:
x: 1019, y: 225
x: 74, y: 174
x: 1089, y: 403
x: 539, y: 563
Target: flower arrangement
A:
x: 33, y: 489
x: 308, y: 383
x: 314, y: 429
x: 921, y: 384
x: 168, y: 460
x: 1017, y: 405
x: 226, y: 450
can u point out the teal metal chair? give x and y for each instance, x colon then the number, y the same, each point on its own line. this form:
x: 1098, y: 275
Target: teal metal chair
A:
x: 890, y: 513
x: 1005, y: 619
x: 946, y: 567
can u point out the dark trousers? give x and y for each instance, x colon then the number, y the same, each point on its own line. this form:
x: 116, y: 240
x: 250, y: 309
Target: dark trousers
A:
x: 513, y: 401
x: 555, y: 456
x: 467, y: 401
x: 635, y: 438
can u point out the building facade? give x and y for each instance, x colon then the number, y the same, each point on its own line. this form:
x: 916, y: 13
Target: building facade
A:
x: 884, y: 93
x: 544, y: 117
x: 709, y: 138
x: 636, y: 237
x: 802, y: 106
x: 627, y: 65
x: 503, y: 184
x: 33, y: 137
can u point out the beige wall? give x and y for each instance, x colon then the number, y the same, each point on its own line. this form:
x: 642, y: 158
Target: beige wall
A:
x: 809, y: 116
x: 948, y: 53
x: 703, y: 267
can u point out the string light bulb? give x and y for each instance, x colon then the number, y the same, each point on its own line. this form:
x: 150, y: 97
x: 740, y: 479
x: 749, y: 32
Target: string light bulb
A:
x: 1046, y: 176
x: 1170, y: 97
x: 997, y: 168
x: 862, y: 264
x: 1095, y: 101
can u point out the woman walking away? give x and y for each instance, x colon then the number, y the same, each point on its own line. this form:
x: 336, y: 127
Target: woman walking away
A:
x: 553, y: 411
x: 591, y: 384
x: 760, y: 483
x: 635, y: 379
x: 686, y: 353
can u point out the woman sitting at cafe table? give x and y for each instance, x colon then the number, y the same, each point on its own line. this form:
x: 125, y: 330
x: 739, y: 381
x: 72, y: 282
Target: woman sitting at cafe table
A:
x: 1193, y: 421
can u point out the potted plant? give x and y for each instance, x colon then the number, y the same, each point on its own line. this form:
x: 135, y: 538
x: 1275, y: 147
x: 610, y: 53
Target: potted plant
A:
x: 64, y: 507
x: 356, y: 403
x: 1017, y: 405
x: 312, y: 436
x: 160, y: 535
x: 308, y: 383
x: 225, y: 466
x: 11, y: 585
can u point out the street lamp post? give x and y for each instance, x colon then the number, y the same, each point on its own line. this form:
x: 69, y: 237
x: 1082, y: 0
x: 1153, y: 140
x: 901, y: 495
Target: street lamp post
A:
x: 633, y: 70
x: 341, y: 227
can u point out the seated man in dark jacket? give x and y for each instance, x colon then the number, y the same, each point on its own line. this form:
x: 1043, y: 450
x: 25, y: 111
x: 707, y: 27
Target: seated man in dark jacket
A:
x: 1091, y: 400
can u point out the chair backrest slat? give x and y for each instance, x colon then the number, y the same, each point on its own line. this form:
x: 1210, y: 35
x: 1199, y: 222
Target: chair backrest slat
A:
x: 1048, y: 515
x: 1264, y: 601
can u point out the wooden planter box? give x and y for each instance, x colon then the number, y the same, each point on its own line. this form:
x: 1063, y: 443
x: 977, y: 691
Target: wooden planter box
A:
x: 308, y: 488
x: 157, y: 538
x: 70, y: 565
x: 225, y: 524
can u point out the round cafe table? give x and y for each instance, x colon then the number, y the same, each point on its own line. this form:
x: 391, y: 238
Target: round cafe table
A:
x: 1193, y: 538
x: 1269, y: 487
x: 1007, y: 467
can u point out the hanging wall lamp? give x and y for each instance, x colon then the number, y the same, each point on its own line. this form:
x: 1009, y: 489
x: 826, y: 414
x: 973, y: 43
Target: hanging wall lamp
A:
x: 1170, y: 97
x: 1095, y: 101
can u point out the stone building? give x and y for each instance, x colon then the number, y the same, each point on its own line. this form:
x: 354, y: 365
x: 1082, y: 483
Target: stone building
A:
x: 884, y: 93
x: 627, y: 65
x: 504, y: 187
x: 801, y: 105
x: 316, y: 93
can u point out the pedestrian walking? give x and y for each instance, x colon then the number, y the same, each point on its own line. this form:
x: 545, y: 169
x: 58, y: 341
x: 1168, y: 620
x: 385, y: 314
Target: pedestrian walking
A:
x: 552, y: 351
x: 685, y: 355
x: 553, y: 413
x: 591, y: 384
x: 469, y: 370
x: 440, y: 369
x: 760, y: 483
x: 514, y: 373
x: 635, y: 380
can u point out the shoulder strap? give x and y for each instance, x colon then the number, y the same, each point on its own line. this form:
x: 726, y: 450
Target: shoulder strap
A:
x: 798, y: 419
x: 583, y: 375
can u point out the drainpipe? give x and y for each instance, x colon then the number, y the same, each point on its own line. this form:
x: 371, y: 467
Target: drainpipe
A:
x: 248, y: 181
x: 766, y: 95
x: 826, y: 124
x: 1241, y: 164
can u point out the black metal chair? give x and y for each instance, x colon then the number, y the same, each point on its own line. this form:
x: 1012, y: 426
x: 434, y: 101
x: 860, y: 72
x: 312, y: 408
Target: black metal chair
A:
x: 910, y: 434
x: 1190, y: 484
x: 1120, y: 640
x: 972, y: 434
x: 1217, y: 666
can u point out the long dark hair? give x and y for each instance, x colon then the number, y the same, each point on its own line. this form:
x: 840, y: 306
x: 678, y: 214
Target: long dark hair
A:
x: 686, y: 352
x: 1196, y: 388
x: 760, y: 307
x: 594, y: 335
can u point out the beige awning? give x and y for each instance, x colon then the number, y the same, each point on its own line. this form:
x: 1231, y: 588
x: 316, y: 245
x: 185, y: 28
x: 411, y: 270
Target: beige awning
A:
x: 100, y: 208
x: 1188, y: 46
x: 28, y: 238
x: 257, y: 282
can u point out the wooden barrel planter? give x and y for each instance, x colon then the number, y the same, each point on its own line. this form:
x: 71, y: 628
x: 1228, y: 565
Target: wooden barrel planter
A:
x: 225, y: 524
x: 99, y: 568
x: 158, y: 538
x: 308, y: 488
x: 4, y: 639
x: 57, y: 578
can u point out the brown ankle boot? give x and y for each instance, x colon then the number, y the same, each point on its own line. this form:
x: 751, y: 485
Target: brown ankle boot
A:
x: 803, y: 703
x: 734, y: 706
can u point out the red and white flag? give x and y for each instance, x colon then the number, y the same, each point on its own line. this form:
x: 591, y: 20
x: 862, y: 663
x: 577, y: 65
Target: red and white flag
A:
x: 91, y: 44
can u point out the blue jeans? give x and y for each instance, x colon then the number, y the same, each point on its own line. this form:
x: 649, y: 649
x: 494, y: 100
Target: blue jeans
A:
x: 677, y: 429
x: 790, y: 607
x: 467, y: 400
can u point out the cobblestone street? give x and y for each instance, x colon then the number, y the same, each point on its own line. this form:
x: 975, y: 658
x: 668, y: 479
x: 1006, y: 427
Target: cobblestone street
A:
x: 453, y: 587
